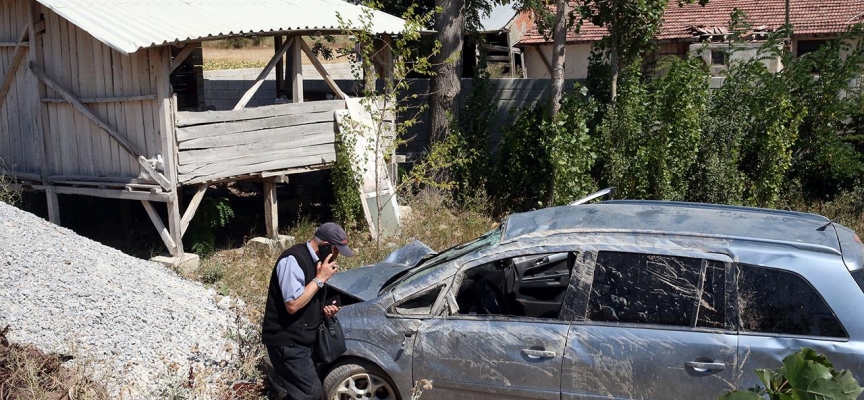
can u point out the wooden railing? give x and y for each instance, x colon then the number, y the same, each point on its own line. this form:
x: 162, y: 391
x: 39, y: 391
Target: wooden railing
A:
x: 215, y: 145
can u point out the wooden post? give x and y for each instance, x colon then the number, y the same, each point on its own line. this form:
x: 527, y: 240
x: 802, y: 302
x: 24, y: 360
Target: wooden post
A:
x: 53, y: 205
x: 280, y: 69
x: 297, y: 72
x: 271, y: 210
x: 169, y: 143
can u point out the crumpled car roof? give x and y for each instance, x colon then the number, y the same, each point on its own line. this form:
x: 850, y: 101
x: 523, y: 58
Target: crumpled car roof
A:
x: 697, y: 219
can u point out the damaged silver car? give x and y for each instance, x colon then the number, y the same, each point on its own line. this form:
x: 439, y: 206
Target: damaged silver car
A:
x: 619, y: 299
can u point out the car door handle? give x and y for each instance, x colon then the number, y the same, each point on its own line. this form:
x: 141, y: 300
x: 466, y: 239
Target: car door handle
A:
x: 700, y: 366
x: 533, y: 353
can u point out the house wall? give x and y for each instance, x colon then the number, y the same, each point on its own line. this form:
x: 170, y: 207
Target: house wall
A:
x: 19, y: 142
x: 575, y: 63
x: 91, y: 70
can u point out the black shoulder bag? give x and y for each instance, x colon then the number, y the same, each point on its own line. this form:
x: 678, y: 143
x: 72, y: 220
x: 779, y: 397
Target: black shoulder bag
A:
x: 330, y: 341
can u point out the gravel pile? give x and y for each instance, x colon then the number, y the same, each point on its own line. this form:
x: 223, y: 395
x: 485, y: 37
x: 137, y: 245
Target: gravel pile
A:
x: 132, y: 321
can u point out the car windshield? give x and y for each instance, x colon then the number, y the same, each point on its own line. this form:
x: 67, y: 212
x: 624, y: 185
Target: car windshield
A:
x: 488, y: 239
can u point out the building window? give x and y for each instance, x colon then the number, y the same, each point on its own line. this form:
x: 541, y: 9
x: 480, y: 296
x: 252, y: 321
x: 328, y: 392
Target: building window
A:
x: 718, y: 57
x: 808, y: 46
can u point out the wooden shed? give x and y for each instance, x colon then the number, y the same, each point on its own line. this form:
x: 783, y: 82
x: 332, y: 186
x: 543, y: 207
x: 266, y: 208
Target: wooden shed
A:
x: 87, y: 105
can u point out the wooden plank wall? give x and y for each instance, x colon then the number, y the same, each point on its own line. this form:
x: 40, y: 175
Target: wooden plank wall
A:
x: 91, y: 70
x: 19, y: 143
x: 219, y: 144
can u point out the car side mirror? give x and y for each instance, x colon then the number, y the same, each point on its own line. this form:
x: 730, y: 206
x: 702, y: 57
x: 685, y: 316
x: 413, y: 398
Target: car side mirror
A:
x: 452, y: 306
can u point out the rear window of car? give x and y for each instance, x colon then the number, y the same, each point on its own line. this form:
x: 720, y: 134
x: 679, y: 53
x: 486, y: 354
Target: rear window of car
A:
x: 781, y: 302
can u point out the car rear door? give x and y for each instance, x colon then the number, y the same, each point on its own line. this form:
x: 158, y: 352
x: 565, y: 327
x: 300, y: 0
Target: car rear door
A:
x: 792, y: 302
x: 649, y: 326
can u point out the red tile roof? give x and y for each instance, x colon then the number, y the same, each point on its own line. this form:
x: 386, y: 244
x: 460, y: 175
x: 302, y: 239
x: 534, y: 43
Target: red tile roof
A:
x: 807, y: 17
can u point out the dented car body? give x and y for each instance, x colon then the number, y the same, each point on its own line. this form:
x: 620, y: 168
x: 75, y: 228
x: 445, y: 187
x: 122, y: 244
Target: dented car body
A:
x: 620, y: 299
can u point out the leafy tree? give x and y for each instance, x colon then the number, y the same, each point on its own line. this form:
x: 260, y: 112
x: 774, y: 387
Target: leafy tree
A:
x: 632, y: 26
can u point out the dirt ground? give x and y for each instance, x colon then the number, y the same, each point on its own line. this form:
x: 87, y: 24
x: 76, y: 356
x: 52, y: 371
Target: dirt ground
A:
x: 26, y: 372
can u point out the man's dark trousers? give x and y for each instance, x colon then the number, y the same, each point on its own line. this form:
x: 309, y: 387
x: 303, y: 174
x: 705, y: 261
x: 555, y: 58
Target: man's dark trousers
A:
x: 295, y: 363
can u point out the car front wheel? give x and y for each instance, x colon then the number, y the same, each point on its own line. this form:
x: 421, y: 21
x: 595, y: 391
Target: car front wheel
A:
x: 358, y: 381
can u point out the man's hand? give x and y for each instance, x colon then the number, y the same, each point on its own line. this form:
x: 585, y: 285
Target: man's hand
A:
x: 326, y: 269
x: 330, y: 310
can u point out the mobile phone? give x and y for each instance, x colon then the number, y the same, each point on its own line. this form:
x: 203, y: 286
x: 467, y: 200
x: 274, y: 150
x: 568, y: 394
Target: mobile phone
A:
x: 324, y: 250
x: 334, y: 301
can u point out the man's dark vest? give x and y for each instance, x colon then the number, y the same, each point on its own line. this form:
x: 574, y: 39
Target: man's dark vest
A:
x: 281, y: 328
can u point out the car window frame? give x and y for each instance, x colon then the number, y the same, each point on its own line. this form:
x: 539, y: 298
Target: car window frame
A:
x: 583, y: 292
x: 737, y: 320
x: 501, y: 255
x: 436, y: 308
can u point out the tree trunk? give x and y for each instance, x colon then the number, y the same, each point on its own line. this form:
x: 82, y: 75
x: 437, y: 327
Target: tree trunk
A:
x: 446, y: 85
x: 613, y: 53
x: 559, y: 47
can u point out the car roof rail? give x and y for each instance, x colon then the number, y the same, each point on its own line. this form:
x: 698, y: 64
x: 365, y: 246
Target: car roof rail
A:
x: 608, y: 193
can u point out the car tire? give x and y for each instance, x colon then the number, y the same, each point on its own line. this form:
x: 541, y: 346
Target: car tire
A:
x: 359, y: 380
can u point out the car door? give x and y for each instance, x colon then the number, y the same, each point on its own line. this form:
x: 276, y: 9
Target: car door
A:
x: 649, y: 326
x: 492, y: 349
x: 781, y: 310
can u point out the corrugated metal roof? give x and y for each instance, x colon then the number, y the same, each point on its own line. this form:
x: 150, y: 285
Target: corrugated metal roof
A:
x: 129, y: 25
x: 498, y: 18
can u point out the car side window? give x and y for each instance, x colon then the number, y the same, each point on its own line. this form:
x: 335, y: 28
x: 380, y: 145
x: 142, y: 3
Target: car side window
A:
x: 781, y: 302
x: 657, y: 289
x: 419, y: 304
x: 529, y: 286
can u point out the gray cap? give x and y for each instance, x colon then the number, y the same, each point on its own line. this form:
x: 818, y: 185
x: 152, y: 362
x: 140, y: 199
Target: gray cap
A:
x: 336, y: 236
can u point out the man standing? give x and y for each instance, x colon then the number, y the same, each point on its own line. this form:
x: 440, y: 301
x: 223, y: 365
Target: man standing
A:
x: 295, y: 304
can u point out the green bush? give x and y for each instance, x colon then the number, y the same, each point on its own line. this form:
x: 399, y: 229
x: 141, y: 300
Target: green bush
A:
x: 805, y: 375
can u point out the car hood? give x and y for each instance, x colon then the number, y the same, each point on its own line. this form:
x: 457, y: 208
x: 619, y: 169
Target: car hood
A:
x: 364, y: 283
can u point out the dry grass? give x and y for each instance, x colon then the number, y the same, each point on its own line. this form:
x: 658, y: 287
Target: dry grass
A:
x: 218, y: 56
x: 27, y: 373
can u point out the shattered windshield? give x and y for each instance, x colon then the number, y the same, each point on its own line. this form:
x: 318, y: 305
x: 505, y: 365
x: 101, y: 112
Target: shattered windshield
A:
x: 488, y: 239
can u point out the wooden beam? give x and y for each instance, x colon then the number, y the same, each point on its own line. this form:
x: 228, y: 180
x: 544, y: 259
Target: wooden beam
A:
x: 263, y: 75
x: 271, y: 210
x: 280, y: 67
x: 16, y: 60
x: 129, y: 147
x: 543, y: 58
x: 191, y: 208
x: 160, y: 227
x: 320, y: 68
x: 109, y: 193
x: 174, y: 224
x: 297, y: 73
x: 14, y: 44
x: 182, y: 56
x: 88, y: 100
x: 160, y: 179
x: 53, y: 205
